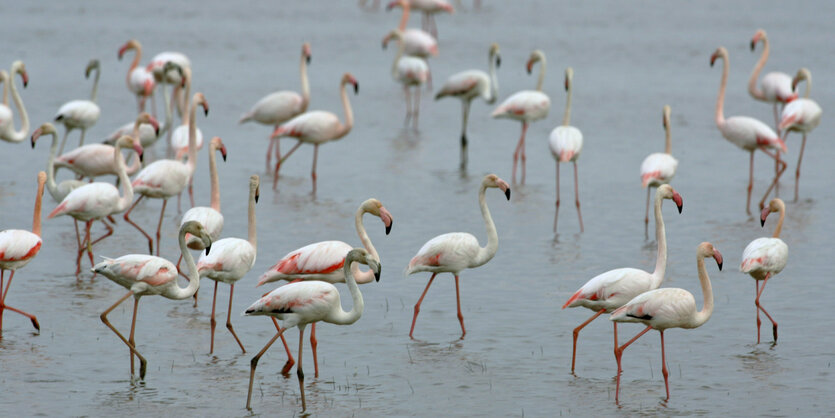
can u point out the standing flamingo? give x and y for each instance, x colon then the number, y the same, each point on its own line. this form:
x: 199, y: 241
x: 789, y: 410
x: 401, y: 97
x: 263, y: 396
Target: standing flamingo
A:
x: 745, y: 132
x: 323, y: 261
x: 146, y: 275
x: 765, y: 257
x: 173, y: 75
x: 61, y: 190
x: 608, y: 291
x: 566, y: 142
x: 180, y: 135
x: 776, y: 86
x: 302, y: 303
x: 317, y: 127
x: 416, y: 42
x: 666, y: 308
x: 411, y: 71
x: 163, y: 179
x: 139, y: 80
x: 17, y: 248
x: 95, y: 201
x: 281, y: 106
x: 659, y: 167
x: 467, y: 85
x: 7, y: 131
x: 800, y: 115
x: 231, y: 260
x: 80, y: 114
x: 430, y: 8
x: 456, y: 251
x: 526, y: 106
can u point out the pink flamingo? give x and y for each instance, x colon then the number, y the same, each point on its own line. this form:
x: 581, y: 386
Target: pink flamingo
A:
x: 800, y: 115
x: 17, y: 248
x: 566, y: 142
x: 94, y: 201
x: 281, y: 106
x: 173, y: 75
x: 163, y: 179
x: 317, y: 127
x: 659, y: 167
x: 410, y: 71
x: 323, y: 261
x: 231, y: 260
x: 180, y: 135
x: 456, y: 251
x: 140, y: 81
x: 145, y: 275
x: 526, y: 106
x: 776, y: 86
x: 302, y: 303
x: 765, y: 257
x: 747, y: 133
x: 81, y: 114
x: 7, y: 131
x: 430, y: 8
x: 666, y: 308
x: 416, y: 42
x: 467, y: 85
x: 608, y: 291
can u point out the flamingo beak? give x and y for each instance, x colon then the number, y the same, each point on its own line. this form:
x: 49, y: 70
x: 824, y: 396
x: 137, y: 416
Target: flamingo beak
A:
x: 529, y: 66
x: 35, y: 136
x: 387, y: 219
x: 25, y: 78
x: 764, y: 215
x: 155, y: 123
x: 712, y: 59
x: 223, y: 152
x: 377, y: 271
x: 718, y: 257
x: 122, y: 51
x: 205, y: 108
x: 678, y: 201
x: 257, y: 194
x: 498, y: 60
x: 391, y: 5
x: 753, y: 43
x: 505, y: 188
x: 356, y: 86
x: 208, y: 248
x: 139, y: 150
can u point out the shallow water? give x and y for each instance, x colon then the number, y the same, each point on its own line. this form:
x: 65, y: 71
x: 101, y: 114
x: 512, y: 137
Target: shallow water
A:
x: 629, y: 61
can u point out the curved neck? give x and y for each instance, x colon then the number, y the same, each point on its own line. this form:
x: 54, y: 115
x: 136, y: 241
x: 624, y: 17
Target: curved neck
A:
x: 755, y: 91
x: 368, y: 275
x: 566, y: 118
x: 193, y: 276
x: 494, y: 82
x: 50, y: 169
x: 135, y: 63
x: 668, y: 143
x: 191, y: 161
x: 36, y: 218
x: 661, y: 239
x: 340, y: 317
x: 400, y: 48
x: 252, y: 235
x: 486, y: 253
x: 349, y: 114
x: 404, y: 19
x: 127, y: 197
x: 720, y: 101
x: 186, y: 116
x: 702, y: 316
x: 215, y: 181
x: 541, y: 74
x: 806, y: 76
x: 779, y: 224
x: 95, y: 86
x: 18, y: 136
x: 305, y: 85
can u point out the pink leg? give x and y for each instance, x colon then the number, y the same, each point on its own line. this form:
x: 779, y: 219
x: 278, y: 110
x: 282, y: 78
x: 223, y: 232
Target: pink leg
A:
x: 750, y: 184
x: 577, y: 197
x: 664, y: 370
x: 619, y: 356
x: 313, y: 344
x: 191, y: 190
x: 254, y: 363
x: 557, y: 209
x: 288, y: 365
x: 142, y: 362
x: 2, y: 299
x: 519, y: 146
x: 281, y: 161
x: 229, y: 318
x: 776, y: 157
x: 159, y: 225
x: 797, y: 172
x: 132, y: 329
x: 270, y: 152
x: 524, y: 156
x: 577, y: 334
x: 773, y: 322
x: 127, y: 218
x: 458, y: 303
x: 417, y: 305
x: 313, y: 171
x: 3, y: 306
x: 212, y: 322
x: 757, y: 306
x: 86, y: 245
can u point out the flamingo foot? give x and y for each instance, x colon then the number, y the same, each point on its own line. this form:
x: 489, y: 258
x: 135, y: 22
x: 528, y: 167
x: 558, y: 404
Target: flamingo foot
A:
x: 287, y: 367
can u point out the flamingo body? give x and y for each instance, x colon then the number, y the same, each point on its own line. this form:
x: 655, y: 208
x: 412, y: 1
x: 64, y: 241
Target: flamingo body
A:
x: 78, y: 114
x: 660, y: 309
x: 275, y: 108
x: 525, y: 105
x: 179, y: 140
x: 162, y: 179
x: 140, y: 273
x: 777, y: 87
x: 412, y: 71
x: 801, y: 115
x: 319, y: 261
x: 229, y: 261
x: 566, y: 142
x: 749, y: 134
x: 467, y: 85
x: 92, y: 160
x: 447, y: 253
x: 314, y: 127
x: 17, y: 248
x: 211, y: 219
x: 612, y: 289
x: 764, y: 256
x: 157, y: 65
x: 658, y: 168
x: 147, y: 134
x: 88, y: 202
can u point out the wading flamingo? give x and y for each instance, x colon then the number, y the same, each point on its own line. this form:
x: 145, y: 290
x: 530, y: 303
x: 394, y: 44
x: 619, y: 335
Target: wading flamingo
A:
x: 139, y: 80
x: 609, y: 291
x: 661, y: 309
x: 180, y: 135
x: 776, y: 86
x: 416, y: 42
x: 566, y: 142
x: 145, y: 275
x: 163, y: 179
x: 765, y: 257
x: 7, y: 131
x: 281, y: 106
x: 231, y: 259
x: 165, y: 74
x: 317, y: 127
x: 411, y: 71
x: 302, y: 303
x: 430, y: 8
x: 659, y: 167
x: 467, y: 85
x: 17, y: 248
x: 747, y: 133
x: 323, y: 261
x: 526, y: 106
x: 80, y: 114
x: 800, y: 115
x: 61, y: 190
x: 456, y: 251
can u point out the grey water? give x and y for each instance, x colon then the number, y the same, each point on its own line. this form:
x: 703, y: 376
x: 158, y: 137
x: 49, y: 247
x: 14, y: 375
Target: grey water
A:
x: 629, y: 58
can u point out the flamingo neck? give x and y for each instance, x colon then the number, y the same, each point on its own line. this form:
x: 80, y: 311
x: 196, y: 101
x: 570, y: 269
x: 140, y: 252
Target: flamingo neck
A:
x: 404, y: 18
x: 127, y: 197
x: 661, y: 239
x: 36, y: 218
x: 339, y: 316
x: 494, y: 82
x: 252, y: 234
x: 703, y: 315
x: 305, y: 84
x: 50, y: 170
x: 215, y: 188
x: 191, y: 160
x: 720, y: 100
x: 368, y: 275
x: 541, y: 78
x: 486, y: 253
x: 566, y: 118
x: 169, y: 113
x: 186, y: 116
x: 349, y: 114
x: 18, y: 136
x: 779, y: 223
x: 4, y: 78
x: 668, y: 141
x: 755, y: 91
x: 135, y: 63
x: 95, y: 90
x: 177, y: 292
x: 806, y: 76
x: 400, y: 48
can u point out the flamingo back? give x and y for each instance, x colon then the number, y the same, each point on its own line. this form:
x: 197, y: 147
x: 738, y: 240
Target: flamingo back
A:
x: 657, y: 169
x: 78, y: 114
x: 147, y: 134
x: 141, y: 81
x: 566, y: 142
x: 466, y: 85
x: 801, y: 115
x: 749, y: 134
x: 419, y: 43
x: 89, y: 202
x: 777, y: 87
x: 763, y: 256
x: 450, y: 252
x: 660, y: 308
x: 91, y: 160
x: 275, y: 108
x: 317, y: 126
x: 229, y: 260
x: 162, y: 179
x: 526, y: 105
x: 17, y: 248
x: 143, y: 274
x: 612, y: 289
x: 412, y: 71
x: 179, y: 140
x: 297, y: 303
x: 318, y: 261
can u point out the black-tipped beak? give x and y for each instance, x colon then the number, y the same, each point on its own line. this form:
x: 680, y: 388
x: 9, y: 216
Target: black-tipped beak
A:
x: 208, y: 248
x: 680, y: 207
x: 206, y: 112
x: 224, y: 157
x: 256, y: 197
x: 762, y: 220
x: 377, y: 273
x: 507, y: 193
x: 307, y: 59
x: 753, y: 45
x: 529, y: 70
x: 356, y: 88
x: 498, y: 61
x: 33, y: 142
x: 388, y: 227
x: 141, y: 156
x: 720, y: 266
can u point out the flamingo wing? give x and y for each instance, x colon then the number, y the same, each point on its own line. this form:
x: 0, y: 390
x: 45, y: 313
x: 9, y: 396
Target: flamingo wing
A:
x: 275, y: 108
x: 138, y: 272
x: 657, y: 169
x: 302, y: 302
x: 777, y: 87
x: 524, y: 105
x: 765, y: 255
x: 325, y: 258
x: 91, y: 201
x: 611, y: 289
x: 78, y: 113
x: 566, y: 142
x: 229, y: 260
x: 315, y: 126
x: 17, y: 245
x: 162, y: 178
x: 412, y: 70
x: 465, y: 84
x: 801, y: 114
x: 659, y: 308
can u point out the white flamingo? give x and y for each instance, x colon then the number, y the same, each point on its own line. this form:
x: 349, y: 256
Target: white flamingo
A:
x: 411, y: 71
x: 81, y: 114
x: 139, y: 80
x: 566, y: 142
x: 7, y: 130
x: 775, y: 86
x: 659, y: 167
x: 800, y: 115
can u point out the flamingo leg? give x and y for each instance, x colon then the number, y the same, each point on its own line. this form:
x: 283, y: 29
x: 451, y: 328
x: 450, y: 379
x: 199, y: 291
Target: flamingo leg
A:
x: 416, y: 108
x: 776, y: 119
x: 774, y: 183
x: 750, y: 184
x: 646, y: 216
x: 557, y: 204
x: 127, y: 219
x: 106, y: 234
x: 417, y: 305
x: 619, y: 357
x: 84, y: 247
x: 159, y: 225
x: 577, y: 197
x: 229, y: 318
x: 3, y: 306
x: 270, y: 152
x: 757, y: 301
x: 465, y: 114
x: 191, y: 190
x: 797, y: 171
x: 757, y: 306
x: 290, y: 362
x: 2, y: 299
x: 299, y: 371
x: 313, y: 344
x: 313, y: 170
x: 577, y: 335
x: 458, y: 303
x: 664, y: 370
x: 254, y: 363
x: 519, y: 146
x: 408, y: 94
x: 64, y: 141
x: 281, y: 161
x: 77, y: 234
x: 212, y: 322
x: 131, y: 339
x: 142, y: 362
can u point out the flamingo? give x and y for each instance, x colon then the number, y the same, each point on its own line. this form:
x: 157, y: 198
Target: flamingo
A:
x: 800, y: 115
x: 180, y: 135
x: 765, y: 257
x: 430, y: 8
x: 416, y: 42
x: 61, y: 190
x: 566, y: 142
x: 145, y: 275
x: 322, y: 261
x: 139, y: 80
x: 95, y: 201
x: 410, y: 71
x: 609, y: 291
x: 776, y: 86
x: 317, y: 127
x: 666, y: 308
x: 231, y: 260
x: 659, y: 167
x: 467, y: 85
x: 526, y: 106
x: 745, y: 132
x: 281, y: 106
x: 7, y: 131
x: 80, y: 114
x: 17, y: 248
x: 165, y: 178
x: 302, y: 303
x: 456, y: 251
x: 164, y: 74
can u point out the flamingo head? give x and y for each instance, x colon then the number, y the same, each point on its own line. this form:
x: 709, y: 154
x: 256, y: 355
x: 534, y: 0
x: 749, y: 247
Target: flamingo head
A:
x: 46, y: 128
x: 126, y: 141
x: 306, y: 52
x: 145, y: 117
x: 20, y: 68
x: 707, y: 249
x: 360, y: 255
x: 494, y: 51
x: 255, y: 183
x: 665, y: 116
x: 775, y: 205
x: 665, y: 191
x: 347, y: 78
x: 217, y: 144
x: 802, y: 74
x: 720, y: 52
x: 131, y: 44
x: 758, y: 36
x: 376, y: 208
x: 196, y: 229
x: 569, y: 76
x: 534, y: 58
x: 200, y: 99
x: 492, y: 180
x: 92, y: 65
x: 161, y: 70
x: 394, y: 34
